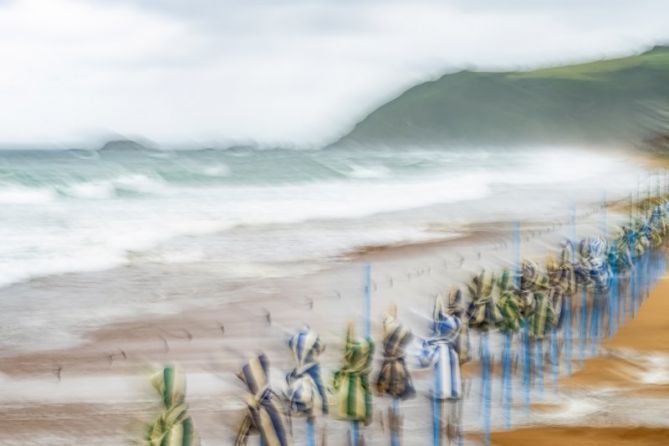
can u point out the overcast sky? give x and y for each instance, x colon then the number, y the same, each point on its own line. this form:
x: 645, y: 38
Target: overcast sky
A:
x: 295, y: 71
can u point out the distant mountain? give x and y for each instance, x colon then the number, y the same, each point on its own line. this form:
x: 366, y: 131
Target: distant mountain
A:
x: 602, y: 102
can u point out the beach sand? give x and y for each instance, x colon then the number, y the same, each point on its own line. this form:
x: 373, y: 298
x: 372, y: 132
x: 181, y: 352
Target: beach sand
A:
x: 98, y: 393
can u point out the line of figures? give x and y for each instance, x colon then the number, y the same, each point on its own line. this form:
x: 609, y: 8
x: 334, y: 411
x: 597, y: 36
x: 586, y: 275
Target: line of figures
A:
x: 539, y: 312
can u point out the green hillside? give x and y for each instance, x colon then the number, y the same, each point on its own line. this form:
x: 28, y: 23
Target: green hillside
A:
x: 608, y: 101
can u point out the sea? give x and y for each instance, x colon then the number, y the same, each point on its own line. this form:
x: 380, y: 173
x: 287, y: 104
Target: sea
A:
x: 252, y: 210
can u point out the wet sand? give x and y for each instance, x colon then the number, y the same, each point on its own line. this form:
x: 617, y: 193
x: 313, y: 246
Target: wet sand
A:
x: 633, y: 369
x: 583, y: 436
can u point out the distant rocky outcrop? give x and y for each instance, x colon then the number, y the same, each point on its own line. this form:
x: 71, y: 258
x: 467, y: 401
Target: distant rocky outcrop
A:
x: 124, y: 145
x: 658, y: 143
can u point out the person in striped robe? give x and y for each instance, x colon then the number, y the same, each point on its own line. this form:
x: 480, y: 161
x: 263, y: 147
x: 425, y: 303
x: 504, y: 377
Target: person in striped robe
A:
x: 541, y: 313
x: 508, y: 304
x: 543, y: 316
x: 439, y: 352
x: 593, y: 263
x: 483, y: 313
x: 265, y: 412
x: 305, y: 391
x: 558, y: 289
x: 173, y: 426
x: 636, y: 240
x: 620, y: 251
x: 351, y: 381
x: 658, y: 227
x: 455, y: 307
x: 567, y: 275
x: 394, y: 379
x: 642, y: 236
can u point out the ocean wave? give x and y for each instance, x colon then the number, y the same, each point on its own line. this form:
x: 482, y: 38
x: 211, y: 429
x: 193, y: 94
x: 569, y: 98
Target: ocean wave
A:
x: 124, y: 185
x: 97, y: 216
x: 364, y: 172
x: 216, y: 170
x: 139, y: 183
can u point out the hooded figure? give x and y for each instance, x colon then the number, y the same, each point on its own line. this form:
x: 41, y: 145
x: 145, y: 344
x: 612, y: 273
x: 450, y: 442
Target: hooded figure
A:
x: 394, y: 379
x: 173, y: 426
x: 351, y: 381
x: 264, y: 409
x: 439, y: 352
x: 304, y: 386
x: 593, y: 263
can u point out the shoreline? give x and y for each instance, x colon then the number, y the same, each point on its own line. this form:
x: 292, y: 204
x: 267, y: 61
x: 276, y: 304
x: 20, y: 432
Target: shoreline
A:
x: 118, y: 356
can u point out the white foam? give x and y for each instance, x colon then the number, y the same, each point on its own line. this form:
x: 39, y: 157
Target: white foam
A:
x: 217, y: 170
x: 375, y: 172
x: 140, y: 183
x: 573, y: 409
x: 24, y: 195
x: 657, y: 372
x: 90, y: 190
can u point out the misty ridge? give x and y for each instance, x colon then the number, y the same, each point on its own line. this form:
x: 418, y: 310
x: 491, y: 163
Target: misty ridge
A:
x: 622, y: 101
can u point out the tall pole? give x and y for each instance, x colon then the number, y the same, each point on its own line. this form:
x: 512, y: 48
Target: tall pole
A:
x: 485, y: 385
x: 367, y: 323
x: 367, y: 271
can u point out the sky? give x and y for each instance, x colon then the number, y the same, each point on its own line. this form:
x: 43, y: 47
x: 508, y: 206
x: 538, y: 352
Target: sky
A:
x: 292, y: 72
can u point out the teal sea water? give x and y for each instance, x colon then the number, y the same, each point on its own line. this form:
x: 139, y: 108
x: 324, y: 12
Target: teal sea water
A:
x: 250, y: 210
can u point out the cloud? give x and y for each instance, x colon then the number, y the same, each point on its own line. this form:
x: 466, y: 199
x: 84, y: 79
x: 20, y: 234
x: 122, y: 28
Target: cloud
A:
x: 276, y: 72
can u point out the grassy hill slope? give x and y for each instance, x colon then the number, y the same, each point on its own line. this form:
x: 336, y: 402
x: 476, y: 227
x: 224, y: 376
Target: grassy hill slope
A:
x: 617, y: 100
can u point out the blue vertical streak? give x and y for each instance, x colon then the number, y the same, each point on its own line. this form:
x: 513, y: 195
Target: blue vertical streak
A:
x: 567, y: 334
x: 394, y: 433
x: 604, y: 224
x: 506, y: 379
x: 555, y: 365
x: 436, y: 415
x: 516, y: 253
x: 633, y: 291
x: 368, y: 299
x: 569, y: 323
x: 485, y: 386
x: 594, y: 322
x: 613, y: 304
x: 583, y: 324
x: 539, y: 365
x: 526, y: 364
x: 367, y: 312
x: 311, y: 436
